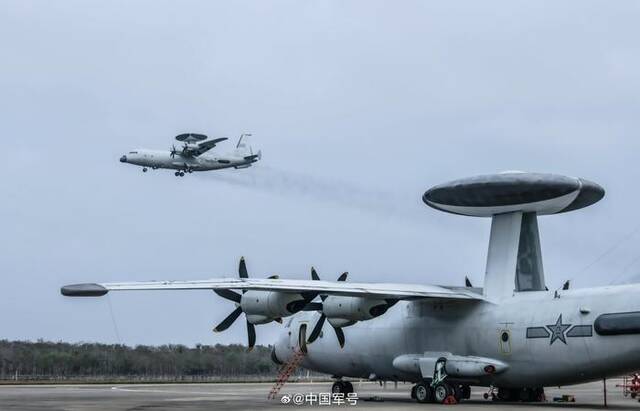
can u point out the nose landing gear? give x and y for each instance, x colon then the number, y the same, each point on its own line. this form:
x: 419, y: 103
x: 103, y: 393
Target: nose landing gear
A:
x: 144, y: 169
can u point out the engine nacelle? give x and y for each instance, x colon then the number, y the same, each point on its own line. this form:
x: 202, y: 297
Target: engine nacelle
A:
x: 345, y: 311
x: 262, y: 307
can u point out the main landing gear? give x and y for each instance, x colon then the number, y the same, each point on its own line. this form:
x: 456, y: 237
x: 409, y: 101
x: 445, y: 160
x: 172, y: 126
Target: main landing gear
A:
x: 179, y: 173
x: 144, y: 169
x: 516, y: 394
x: 440, y: 390
x: 442, y: 393
x: 342, y: 387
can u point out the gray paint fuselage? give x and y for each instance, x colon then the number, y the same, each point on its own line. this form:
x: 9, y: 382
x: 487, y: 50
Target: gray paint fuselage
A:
x: 163, y: 159
x: 475, y: 328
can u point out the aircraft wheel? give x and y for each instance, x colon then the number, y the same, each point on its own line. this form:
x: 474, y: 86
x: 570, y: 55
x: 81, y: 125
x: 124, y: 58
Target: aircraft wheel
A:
x: 177, y: 173
x: 423, y: 393
x: 182, y: 174
x: 413, y: 392
x: 348, y: 387
x: 337, y: 387
x: 441, y: 392
x: 509, y: 394
x: 144, y: 169
x: 461, y: 392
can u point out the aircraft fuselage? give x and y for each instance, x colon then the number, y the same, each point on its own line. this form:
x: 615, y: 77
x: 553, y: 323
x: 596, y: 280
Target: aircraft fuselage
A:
x: 163, y: 159
x: 550, y: 338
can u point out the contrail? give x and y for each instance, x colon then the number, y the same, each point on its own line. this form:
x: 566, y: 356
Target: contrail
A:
x: 293, y: 184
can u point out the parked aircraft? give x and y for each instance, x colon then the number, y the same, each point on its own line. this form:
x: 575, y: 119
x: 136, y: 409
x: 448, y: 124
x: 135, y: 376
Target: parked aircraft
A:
x: 191, y: 156
x: 512, y: 334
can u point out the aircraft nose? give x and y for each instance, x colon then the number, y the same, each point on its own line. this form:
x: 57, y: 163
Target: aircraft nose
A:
x: 123, y: 159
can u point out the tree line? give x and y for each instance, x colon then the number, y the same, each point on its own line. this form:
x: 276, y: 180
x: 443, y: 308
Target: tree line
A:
x: 26, y: 360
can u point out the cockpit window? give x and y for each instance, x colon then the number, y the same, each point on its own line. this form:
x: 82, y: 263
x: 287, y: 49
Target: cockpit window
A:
x: 133, y: 152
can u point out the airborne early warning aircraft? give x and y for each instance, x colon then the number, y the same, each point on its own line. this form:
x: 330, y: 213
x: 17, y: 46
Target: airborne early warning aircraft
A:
x: 191, y: 156
x: 512, y: 334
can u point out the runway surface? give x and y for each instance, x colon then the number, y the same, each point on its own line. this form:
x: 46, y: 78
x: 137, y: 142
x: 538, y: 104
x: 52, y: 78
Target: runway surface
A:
x: 254, y: 396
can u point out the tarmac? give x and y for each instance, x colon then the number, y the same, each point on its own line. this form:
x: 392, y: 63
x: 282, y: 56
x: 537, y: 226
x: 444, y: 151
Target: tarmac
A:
x: 253, y: 396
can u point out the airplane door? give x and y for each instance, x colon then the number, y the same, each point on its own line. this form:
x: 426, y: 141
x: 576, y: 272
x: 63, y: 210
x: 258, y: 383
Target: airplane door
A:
x: 302, y: 337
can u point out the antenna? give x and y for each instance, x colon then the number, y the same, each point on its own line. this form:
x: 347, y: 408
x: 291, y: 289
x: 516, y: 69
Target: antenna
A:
x: 513, y: 200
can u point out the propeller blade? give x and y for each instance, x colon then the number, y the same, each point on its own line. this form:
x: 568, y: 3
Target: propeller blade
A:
x: 229, y: 295
x: 317, y: 329
x: 343, y: 277
x: 340, y: 335
x: 226, y: 323
x: 242, y: 269
x: 251, y: 332
x: 467, y: 282
x: 314, y: 274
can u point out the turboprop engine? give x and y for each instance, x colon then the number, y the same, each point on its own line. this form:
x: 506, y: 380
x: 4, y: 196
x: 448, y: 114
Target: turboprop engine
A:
x: 343, y: 311
x: 262, y: 307
x: 346, y: 311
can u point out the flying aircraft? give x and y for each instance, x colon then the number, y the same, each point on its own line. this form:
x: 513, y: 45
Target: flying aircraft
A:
x: 192, y: 155
x: 513, y: 334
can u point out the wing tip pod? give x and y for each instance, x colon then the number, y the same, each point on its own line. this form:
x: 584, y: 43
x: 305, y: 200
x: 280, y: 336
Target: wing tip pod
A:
x: 83, y: 290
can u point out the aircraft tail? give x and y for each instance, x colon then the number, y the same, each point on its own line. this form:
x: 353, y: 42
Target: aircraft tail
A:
x: 244, y: 149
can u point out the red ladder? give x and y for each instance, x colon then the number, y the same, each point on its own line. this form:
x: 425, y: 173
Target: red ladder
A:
x: 285, y: 372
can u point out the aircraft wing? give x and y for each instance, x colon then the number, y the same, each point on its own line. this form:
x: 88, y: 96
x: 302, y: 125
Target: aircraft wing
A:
x: 373, y: 290
x: 207, y: 145
x: 201, y: 148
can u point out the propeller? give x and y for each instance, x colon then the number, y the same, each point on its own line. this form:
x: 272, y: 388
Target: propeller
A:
x: 173, y: 151
x: 236, y: 298
x: 317, y: 329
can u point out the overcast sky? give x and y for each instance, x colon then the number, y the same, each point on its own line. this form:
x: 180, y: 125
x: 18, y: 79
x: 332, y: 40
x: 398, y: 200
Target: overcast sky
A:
x: 358, y: 107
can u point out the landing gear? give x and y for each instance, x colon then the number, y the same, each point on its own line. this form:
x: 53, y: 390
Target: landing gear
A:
x: 179, y: 174
x: 517, y: 394
x: 144, y: 169
x: 441, y: 392
x: 342, y: 387
x: 422, y: 393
